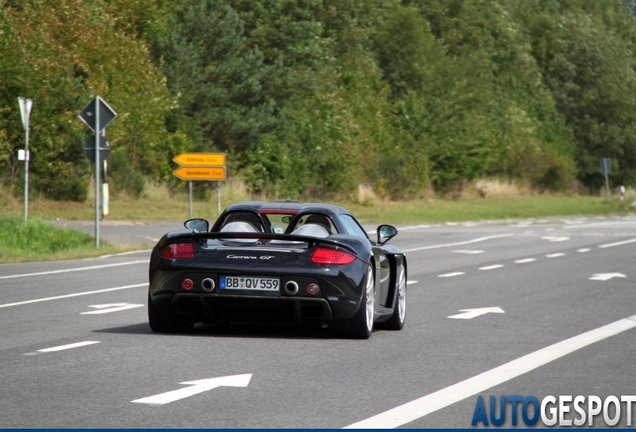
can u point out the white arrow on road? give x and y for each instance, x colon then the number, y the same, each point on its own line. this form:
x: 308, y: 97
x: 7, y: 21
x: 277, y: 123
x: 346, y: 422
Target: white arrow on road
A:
x: 111, y: 307
x: 472, y: 313
x: 195, y: 388
x: 606, y: 276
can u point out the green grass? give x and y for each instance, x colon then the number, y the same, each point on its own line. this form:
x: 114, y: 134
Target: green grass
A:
x: 37, y: 240
x: 497, y: 208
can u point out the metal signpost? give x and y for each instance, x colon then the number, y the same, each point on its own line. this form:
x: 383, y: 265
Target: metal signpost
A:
x: 201, y: 166
x: 25, y: 113
x: 97, y: 115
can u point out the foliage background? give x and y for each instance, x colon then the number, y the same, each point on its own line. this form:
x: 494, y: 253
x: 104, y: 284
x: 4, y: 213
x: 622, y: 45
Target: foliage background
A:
x: 316, y: 97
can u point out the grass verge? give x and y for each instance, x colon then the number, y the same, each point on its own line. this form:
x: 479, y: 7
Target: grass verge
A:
x: 37, y: 240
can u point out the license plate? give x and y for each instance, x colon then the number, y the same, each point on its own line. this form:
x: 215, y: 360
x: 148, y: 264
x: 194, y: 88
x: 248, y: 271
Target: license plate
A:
x: 250, y: 283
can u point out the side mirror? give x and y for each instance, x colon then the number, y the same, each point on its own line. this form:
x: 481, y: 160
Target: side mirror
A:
x: 386, y: 233
x: 198, y: 225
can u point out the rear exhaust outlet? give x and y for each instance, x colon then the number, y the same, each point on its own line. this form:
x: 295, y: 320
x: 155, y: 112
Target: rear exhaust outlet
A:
x: 290, y: 288
x: 207, y: 284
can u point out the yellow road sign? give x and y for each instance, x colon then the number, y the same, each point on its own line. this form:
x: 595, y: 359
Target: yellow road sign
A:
x: 200, y: 159
x: 200, y: 173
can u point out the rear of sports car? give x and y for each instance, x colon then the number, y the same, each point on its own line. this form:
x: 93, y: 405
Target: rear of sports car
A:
x: 269, y: 279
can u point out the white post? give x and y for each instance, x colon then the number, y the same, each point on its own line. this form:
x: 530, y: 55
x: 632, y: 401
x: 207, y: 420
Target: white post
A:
x: 25, y: 111
x: 27, y: 156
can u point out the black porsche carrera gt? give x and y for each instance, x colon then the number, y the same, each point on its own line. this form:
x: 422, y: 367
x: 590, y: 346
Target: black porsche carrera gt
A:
x: 278, y: 262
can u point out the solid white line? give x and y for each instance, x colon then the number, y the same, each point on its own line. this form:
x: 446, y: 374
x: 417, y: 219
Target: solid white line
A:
x: 492, y: 267
x: 73, y: 270
x: 69, y: 346
x: 620, y: 243
x: 525, y: 260
x: 423, y: 406
x: 451, y: 274
x: 555, y: 255
x: 72, y: 295
x: 477, y: 240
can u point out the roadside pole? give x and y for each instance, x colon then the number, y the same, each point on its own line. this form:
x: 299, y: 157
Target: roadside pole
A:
x: 25, y: 112
x: 97, y: 178
x: 97, y: 115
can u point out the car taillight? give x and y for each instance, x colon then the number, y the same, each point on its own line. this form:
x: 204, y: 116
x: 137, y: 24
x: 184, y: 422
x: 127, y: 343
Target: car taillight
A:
x: 323, y: 255
x: 177, y: 251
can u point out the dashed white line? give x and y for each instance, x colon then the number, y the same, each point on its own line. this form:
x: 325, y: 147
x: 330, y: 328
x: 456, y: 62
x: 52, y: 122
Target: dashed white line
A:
x: 451, y: 274
x: 491, y: 267
x: 525, y: 260
x: 583, y: 250
x: 411, y: 282
x: 64, y: 347
x: 555, y: 255
x: 69, y: 346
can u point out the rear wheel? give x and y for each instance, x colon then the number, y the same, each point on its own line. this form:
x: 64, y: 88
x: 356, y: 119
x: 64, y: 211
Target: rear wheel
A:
x: 360, y: 326
x: 396, y: 322
x: 161, y: 322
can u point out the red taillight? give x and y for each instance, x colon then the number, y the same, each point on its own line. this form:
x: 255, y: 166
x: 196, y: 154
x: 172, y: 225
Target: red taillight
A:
x: 323, y: 255
x: 178, y: 251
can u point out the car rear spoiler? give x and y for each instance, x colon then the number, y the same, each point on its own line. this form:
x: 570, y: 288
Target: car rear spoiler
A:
x: 269, y: 236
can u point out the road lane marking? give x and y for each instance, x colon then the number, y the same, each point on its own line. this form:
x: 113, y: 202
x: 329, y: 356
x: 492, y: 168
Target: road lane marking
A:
x: 72, y: 295
x: 195, y: 388
x: 69, y: 346
x: 474, y: 313
x: 620, y: 243
x: 451, y: 274
x: 440, y: 399
x: 73, y: 269
x: 112, y: 307
x: 491, y: 267
x: 606, y: 276
x: 411, y: 282
x: 477, y: 240
x: 583, y: 250
x: 525, y: 260
x: 555, y: 255
x: 555, y: 239
x: 469, y: 252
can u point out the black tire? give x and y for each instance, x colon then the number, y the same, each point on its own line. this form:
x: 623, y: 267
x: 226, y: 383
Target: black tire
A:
x: 396, y: 322
x: 161, y: 322
x: 360, y: 326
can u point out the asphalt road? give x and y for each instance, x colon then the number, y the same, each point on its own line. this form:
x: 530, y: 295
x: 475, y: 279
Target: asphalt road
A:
x: 76, y: 350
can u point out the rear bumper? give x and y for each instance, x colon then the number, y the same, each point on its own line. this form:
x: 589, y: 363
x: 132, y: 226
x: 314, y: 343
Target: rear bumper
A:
x: 339, y: 298
x: 252, y: 309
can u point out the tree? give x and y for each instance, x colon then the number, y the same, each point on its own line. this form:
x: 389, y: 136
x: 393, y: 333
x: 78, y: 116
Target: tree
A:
x: 593, y: 81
